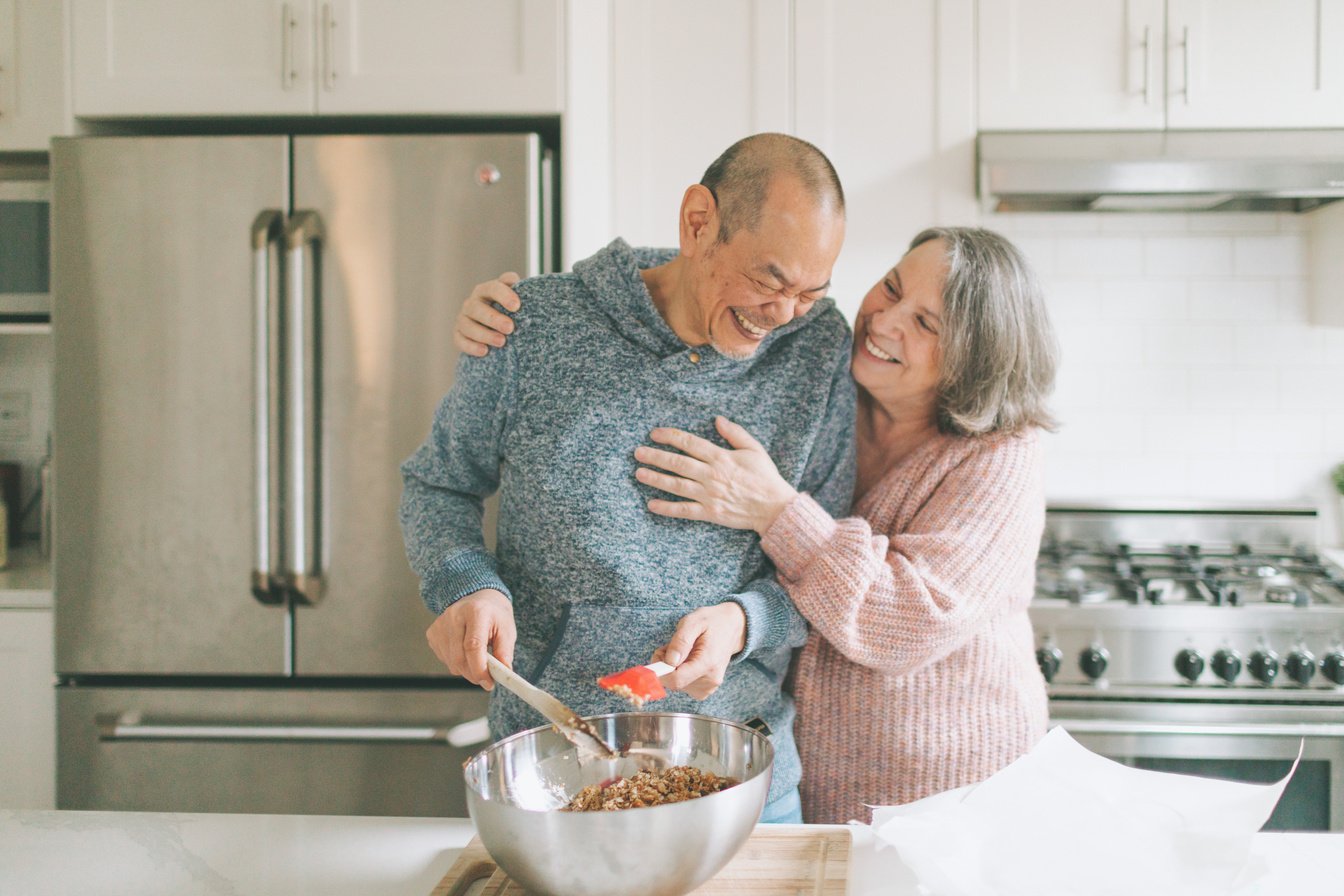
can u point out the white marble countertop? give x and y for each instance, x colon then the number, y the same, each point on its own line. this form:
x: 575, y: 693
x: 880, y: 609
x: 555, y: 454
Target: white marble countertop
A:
x: 160, y: 854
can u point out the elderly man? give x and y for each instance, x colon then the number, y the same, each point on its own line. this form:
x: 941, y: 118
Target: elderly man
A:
x: 584, y: 580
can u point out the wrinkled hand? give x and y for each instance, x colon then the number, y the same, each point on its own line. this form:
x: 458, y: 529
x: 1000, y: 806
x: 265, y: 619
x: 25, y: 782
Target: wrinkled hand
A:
x: 480, y: 324
x: 705, y: 640
x: 481, y: 621
x: 738, y: 487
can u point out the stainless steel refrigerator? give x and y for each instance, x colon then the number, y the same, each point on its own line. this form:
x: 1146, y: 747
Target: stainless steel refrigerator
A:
x: 250, y: 334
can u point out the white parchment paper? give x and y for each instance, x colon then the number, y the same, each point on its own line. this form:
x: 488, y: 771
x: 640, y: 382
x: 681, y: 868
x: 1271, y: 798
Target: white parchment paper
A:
x: 1064, y: 820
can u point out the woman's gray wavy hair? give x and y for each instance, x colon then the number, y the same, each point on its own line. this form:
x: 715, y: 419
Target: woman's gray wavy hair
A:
x: 999, y: 352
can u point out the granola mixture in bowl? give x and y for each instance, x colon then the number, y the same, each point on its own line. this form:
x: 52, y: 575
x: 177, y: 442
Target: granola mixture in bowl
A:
x: 648, y: 788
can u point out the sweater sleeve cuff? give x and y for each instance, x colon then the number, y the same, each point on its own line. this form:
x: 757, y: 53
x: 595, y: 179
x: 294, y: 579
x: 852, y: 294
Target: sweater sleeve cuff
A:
x: 797, y: 535
x: 768, y: 622
x: 460, y: 575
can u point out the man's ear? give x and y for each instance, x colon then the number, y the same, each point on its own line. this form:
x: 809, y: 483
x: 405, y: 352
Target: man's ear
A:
x: 699, y: 221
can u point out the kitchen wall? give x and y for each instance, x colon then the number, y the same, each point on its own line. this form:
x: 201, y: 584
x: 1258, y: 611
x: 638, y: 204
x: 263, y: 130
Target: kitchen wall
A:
x: 1190, y: 369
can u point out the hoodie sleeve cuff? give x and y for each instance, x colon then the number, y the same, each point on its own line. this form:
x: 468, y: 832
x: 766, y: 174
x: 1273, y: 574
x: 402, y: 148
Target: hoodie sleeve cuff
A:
x: 797, y: 535
x: 771, y: 620
x: 459, y: 576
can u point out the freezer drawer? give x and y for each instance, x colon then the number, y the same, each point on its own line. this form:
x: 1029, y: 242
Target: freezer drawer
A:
x: 289, y: 750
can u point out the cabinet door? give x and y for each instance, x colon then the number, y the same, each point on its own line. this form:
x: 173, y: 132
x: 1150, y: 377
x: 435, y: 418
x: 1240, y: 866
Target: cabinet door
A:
x: 32, y: 73
x: 1061, y: 64
x: 167, y: 57
x: 28, y: 707
x: 475, y: 57
x: 673, y: 112
x: 1251, y: 64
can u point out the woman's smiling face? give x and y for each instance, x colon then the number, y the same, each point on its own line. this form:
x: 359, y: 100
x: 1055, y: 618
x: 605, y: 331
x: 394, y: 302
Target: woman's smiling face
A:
x: 896, y: 335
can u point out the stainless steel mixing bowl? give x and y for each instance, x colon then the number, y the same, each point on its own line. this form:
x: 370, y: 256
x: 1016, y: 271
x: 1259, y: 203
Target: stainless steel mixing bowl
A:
x: 515, y: 787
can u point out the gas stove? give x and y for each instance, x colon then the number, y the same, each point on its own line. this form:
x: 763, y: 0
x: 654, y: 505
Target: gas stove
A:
x: 1188, y: 603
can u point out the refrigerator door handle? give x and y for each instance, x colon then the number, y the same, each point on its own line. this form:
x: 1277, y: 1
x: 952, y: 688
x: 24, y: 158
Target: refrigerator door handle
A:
x: 266, y: 231
x: 303, y: 574
x: 128, y: 726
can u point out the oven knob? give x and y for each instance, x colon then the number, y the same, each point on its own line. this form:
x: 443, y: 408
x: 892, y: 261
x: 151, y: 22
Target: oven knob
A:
x: 1332, y: 666
x: 1264, y: 665
x: 1093, y: 661
x: 1300, y: 666
x: 1226, y: 664
x: 1049, y: 658
x: 1189, y: 664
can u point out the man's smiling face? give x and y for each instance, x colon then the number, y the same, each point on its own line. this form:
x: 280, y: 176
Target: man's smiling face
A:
x: 765, y: 277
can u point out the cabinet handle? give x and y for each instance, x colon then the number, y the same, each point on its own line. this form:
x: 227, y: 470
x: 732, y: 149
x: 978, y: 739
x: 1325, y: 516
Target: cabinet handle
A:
x: 303, y: 574
x: 1185, y: 60
x: 266, y: 230
x: 287, y: 26
x: 328, y: 66
x: 126, y: 727
x: 1147, y: 34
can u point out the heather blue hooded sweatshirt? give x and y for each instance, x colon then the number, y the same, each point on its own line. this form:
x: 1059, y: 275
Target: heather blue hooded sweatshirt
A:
x: 551, y: 421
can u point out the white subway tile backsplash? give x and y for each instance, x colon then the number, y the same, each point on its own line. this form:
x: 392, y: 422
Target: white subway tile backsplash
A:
x: 1143, y: 475
x: 1278, y: 432
x: 1190, y: 344
x: 1299, y: 387
x: 1189, y: 369
x: 1116, y: 345
x: 1293, y: 223
x: 1281, y: 255
x: 1072, y: 299
x: 1040, y: 252
x: 1224, y: 475
x: 1144, y: 300
x: 1277, y: 344
x: 1142, y: 389
x: 1165, y: 223
x: 1189, y: 256
x: 1092, y: 432
x: 1238, y: 222
x: 1248, y: 299
x: 1302, y: 474
x: 1181, y: 433
x: 1014, y: 224
x: 1234, y: 388
x: 1099, y: 257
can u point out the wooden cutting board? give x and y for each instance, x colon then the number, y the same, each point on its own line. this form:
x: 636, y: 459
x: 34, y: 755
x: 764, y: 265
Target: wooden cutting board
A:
x: 776, y: 860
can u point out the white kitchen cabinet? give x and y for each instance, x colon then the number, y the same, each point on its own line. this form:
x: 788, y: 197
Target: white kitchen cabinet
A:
x: 28, y: 707
x: 1061, y: 64
x: 32, y: 75
x: 1150, y: 64
x: 297, y: 57
x: 1247, y: 63
x: 658, y: 90
x: 687, y: 80
x: 467, y: 57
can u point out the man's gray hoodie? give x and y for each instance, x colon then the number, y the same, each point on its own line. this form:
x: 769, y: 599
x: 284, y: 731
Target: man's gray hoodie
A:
x: 597, y: 581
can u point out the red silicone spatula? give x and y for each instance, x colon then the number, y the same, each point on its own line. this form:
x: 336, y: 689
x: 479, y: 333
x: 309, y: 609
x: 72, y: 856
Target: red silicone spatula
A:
x: 638, y: 684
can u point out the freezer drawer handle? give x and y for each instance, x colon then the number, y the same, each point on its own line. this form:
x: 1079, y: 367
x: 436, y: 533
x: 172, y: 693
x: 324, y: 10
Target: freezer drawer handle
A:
x: 303, y: 577
x: 128, y: 727
x: 1104, y: 726
x: 266, y: 232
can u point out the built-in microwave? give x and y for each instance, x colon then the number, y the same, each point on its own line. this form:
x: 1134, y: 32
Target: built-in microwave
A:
x: 25, y: 248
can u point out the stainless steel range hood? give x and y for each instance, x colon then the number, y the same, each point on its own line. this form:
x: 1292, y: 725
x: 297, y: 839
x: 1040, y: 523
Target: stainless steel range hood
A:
x: 1160, y: 171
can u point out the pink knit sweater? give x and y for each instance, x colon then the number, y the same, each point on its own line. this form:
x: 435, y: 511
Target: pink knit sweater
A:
x: 919, y: 674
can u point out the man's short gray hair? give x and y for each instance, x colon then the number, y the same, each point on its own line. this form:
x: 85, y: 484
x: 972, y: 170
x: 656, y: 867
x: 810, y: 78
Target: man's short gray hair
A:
x: 740, y: 178
x: 999, y: 352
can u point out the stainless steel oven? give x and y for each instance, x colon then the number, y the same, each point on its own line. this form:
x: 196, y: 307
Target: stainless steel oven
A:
x: 1205, y: 641
x: 1239, y: 741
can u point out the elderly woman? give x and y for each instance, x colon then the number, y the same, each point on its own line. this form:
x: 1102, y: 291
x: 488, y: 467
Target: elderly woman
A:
x: 918, y: 675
